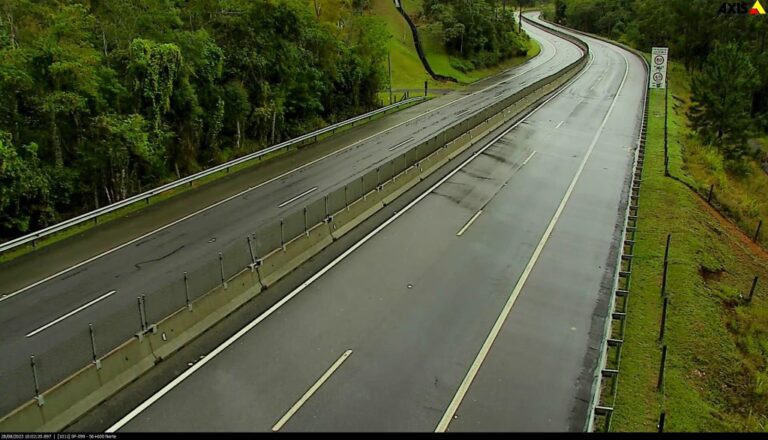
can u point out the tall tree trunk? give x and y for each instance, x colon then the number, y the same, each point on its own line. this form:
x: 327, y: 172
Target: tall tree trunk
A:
x: 58, y: 155
x: 104, y: 45
x: 274, y: 119
x: 237, y: 136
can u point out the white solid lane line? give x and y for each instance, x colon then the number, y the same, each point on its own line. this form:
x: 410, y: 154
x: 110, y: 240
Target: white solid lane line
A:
x: 525, y: 162
x: 469, y: 223
x: 400, y: 144
x: 79, y: 309
x: 242, y: 332
x: 287, y: 173
x: 283, y: 420
x: 294, y: 198
x: 486, y: 347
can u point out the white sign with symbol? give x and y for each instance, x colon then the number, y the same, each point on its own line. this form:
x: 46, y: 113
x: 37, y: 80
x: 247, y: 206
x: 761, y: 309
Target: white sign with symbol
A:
x: 658, y: 78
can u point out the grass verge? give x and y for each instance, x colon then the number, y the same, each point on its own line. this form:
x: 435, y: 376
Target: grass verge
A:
x: 716, y: 372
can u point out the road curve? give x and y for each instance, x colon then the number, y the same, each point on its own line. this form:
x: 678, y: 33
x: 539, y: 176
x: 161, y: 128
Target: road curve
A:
x: 49, y: 317
x: 478, y: 308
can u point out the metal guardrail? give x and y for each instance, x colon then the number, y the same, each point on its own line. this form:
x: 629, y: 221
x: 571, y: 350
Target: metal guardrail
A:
x: 58, y: 227
x: 603, y: 401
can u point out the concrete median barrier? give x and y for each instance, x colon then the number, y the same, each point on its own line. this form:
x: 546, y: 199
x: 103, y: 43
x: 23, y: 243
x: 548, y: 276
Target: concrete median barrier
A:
x: 283, y: 261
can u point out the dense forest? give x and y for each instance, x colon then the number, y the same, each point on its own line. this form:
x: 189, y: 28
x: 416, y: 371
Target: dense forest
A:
x: 724, y: 52
x: 476, y: 33
x: 100, y: 99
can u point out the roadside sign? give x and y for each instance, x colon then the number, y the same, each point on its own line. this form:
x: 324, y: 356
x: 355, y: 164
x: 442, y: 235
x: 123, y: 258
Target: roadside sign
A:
x: 658, y: 78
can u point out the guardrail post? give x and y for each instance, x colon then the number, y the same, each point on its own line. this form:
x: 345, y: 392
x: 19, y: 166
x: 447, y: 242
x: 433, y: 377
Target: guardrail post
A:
x: 186, y: 292
x: 38, y: 396
x: 221, y: 270
x: 96, y: 359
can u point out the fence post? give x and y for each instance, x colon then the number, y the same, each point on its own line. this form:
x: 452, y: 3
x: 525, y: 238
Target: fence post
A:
x: 663, y: 318
x: 250, y: 250
x: 221, y: 270
x: 662, y: 419
x: 752, y: 290
x: 666, y: 267
x: 660, y: 385
x: 38, y: 397
x: 757, y: 231
x: 709, y: 197
x: 142, y: 319
x: 186, y: 292
x: 96, y: 359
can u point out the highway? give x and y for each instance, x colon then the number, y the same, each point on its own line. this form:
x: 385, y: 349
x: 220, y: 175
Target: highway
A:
x: 45, y: 310
x: 479, y: 306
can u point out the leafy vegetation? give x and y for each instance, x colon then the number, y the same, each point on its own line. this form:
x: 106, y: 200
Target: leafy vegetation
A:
x: 99, y: 100
x: 725, y: 54
x: 476, y: 34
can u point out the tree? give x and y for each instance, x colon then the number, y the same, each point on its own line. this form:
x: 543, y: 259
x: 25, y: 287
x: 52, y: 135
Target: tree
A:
x: 721, y: 99
x: 24, y: 187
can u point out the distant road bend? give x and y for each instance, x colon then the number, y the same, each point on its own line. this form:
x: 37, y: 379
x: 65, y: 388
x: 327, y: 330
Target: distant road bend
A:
x: 45, y: 309
x: 493, y: 321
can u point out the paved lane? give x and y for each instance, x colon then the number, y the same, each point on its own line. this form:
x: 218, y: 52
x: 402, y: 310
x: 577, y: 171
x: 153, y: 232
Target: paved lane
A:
x: 140, y: 266
x: 416, y: 303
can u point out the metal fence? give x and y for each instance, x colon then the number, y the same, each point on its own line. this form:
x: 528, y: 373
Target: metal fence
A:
x: 169, y: 293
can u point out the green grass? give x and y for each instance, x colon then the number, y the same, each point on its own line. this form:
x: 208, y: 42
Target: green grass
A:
x: 407, y: 70
x: 718, y: 344
x: 440, y: 60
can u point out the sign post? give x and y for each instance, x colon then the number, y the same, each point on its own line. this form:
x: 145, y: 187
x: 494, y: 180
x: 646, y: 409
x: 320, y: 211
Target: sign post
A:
x: 658, y: 80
